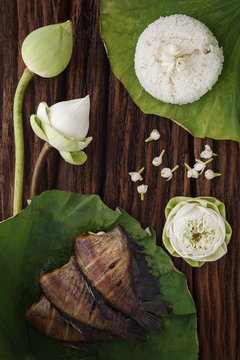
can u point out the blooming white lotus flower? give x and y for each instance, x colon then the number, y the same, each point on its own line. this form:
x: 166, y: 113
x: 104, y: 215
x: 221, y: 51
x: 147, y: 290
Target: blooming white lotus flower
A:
x: 207, y: 153
x: 167, y: 173
x: 157, y: 161
x: 136, y: 175
x: 191, y: 173
x: 142, y: 189
x: 209, y: 174
x: 155, y: 135
x: 65, y: 126
x: 196, y: 229
x: 200, y: 165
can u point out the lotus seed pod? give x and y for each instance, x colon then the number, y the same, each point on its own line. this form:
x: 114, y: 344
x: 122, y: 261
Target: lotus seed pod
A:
x: 48, y: 50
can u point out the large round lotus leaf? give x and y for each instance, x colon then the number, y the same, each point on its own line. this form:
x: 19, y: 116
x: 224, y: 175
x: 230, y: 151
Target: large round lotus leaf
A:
x: 43, y: 233
x: 217, y: 113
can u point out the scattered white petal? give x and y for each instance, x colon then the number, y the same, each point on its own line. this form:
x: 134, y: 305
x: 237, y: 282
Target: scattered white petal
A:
x: 207, y: 153
x: 166, y: 173
x: 142, y: 189
x: 135, y: 176
x: 157, y: 161
x: 209, y: 174
x: 155, y: 135
x: 192, y: 173
x: 199, y: 166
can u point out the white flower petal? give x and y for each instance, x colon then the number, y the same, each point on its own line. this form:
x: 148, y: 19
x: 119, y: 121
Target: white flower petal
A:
x: 209, y: 174
x: 207, y: 153
x: 43, y: 112
x: 135, y: 176
x: 155, y: 135
x: 195, y: 232
x: 166, y: 173
x: 142, y: 189
x: 84, y: 143
x: 71, y: 118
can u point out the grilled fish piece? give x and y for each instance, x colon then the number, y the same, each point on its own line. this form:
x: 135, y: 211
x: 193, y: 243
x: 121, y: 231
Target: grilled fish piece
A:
x: 67, y: 290
x: 43, y: 317
x: 114, y: 265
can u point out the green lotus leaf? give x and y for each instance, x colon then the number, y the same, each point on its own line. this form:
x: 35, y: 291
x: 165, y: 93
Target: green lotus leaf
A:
x: 43, y: 234
x: 217, y: 113
x: 207, y: 202
x: 74, y: 158
x: 48, y: 50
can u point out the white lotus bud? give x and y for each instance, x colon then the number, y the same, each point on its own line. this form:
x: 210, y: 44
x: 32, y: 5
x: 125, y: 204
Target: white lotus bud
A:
x: 209, y: 174
x: 65, y: 126
x: 155, y: 135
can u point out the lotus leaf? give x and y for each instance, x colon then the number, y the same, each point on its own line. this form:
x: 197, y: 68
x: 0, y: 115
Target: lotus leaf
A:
x: 217, y: 113
x: 43, y: 234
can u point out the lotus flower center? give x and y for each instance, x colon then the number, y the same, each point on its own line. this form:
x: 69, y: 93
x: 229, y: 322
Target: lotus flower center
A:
x: 197, y: 234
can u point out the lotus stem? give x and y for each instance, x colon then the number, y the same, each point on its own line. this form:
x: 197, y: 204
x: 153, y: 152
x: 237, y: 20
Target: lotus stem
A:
x: 19, y: 140
x: 38, y: 168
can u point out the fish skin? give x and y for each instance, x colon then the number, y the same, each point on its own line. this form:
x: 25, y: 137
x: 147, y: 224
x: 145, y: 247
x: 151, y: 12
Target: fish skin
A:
x: 43, y: 317
x: 99, y: 259
x: 120, y: 274
x: 67, y: 290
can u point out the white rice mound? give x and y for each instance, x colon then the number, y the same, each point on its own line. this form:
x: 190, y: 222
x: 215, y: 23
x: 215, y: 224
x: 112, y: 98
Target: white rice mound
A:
x: 199, y: 58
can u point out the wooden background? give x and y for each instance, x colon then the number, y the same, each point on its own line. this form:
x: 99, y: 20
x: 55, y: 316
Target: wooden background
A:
x: 119, y: 128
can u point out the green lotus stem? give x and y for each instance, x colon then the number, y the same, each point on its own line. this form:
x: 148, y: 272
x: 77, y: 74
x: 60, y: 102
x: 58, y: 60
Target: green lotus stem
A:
x: 217, y: 174
x: 19, y: 140
x: 142, y: 196
x: 38, y: 168
x: 175, y: 168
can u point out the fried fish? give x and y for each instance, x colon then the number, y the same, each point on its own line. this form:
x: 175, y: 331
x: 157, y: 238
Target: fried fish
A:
x: 114, y: 265
x: 43, y: 317
x: 67, y: 290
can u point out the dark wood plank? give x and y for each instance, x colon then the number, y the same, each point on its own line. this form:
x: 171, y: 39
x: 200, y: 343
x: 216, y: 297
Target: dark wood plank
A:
x: 119, y: 129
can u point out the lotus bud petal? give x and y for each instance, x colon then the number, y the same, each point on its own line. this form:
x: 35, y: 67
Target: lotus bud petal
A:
x: 48, y: 50
x: 71, y: 118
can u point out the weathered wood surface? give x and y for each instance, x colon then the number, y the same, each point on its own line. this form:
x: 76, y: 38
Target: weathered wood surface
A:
x: 119, y: 129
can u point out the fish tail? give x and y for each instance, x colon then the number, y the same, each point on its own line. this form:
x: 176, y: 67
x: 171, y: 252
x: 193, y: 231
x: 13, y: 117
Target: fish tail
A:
x: 160, y: 307
x: 148, y: 321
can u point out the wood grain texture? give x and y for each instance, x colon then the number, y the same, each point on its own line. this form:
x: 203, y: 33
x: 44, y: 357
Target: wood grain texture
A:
x: 119, y: 129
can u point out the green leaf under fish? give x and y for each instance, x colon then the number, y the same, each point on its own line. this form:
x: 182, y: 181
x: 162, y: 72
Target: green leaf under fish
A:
x: 217, y: 113
x: 42, y: 235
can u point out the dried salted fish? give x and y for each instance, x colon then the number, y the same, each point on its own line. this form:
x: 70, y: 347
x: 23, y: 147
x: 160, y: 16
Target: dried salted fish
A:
x: 115, y: 266
x: 43, y: 317
x: 67, y: 290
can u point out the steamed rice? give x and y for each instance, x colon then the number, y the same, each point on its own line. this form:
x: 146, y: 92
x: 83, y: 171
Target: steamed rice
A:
x: 177, y: 59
